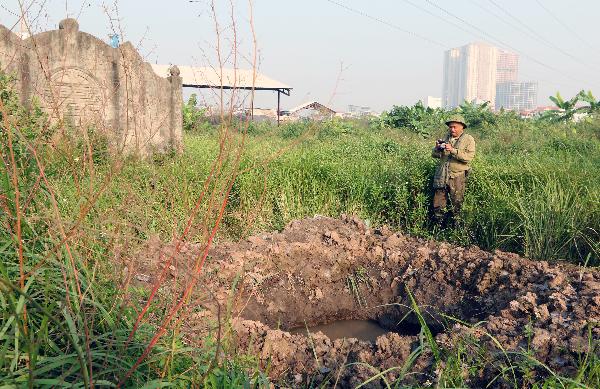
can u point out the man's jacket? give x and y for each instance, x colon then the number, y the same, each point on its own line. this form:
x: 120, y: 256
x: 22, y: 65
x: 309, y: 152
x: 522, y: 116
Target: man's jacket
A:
x: 458, y: 160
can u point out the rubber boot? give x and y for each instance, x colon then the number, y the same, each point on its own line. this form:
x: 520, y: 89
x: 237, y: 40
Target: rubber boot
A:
x: 438, y: 217
x: 455, y: 221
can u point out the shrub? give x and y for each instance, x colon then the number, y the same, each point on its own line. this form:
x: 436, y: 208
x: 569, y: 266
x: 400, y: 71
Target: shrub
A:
x: 194, y: 118
x: 417, y: 119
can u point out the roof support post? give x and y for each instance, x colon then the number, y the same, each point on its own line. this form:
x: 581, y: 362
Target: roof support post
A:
x: 278, y: 105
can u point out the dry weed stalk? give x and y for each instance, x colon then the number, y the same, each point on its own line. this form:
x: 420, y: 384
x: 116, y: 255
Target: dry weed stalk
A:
x: 216, y: 189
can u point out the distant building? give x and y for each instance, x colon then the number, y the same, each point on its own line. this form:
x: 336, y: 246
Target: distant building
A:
x: 432, y: 102
x: 470, y: 74
x: 537, y: 111
x: 358, y: 111
x: 479, y: 72
x: 259, y: 114
x: 507, y: 66
x: 516, y: 96
x: 312, y: 110
x: 453, y: 89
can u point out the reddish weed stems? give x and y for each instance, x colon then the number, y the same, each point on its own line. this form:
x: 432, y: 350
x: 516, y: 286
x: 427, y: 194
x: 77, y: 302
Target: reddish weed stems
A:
x: 64, y: 235
x: 70, y: 273
x: 225, y: 155
x: 216, y: 190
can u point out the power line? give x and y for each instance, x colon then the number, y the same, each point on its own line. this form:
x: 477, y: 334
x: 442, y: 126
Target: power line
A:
x: 411, y: 33
x: 497, y: 16
x: 465, y: 22
x: 540, y: 38
x: 501, y: 42
x: 502, y: 19
x: 566, y: 27
x: 531, y: 32
x: 486, y: 34
x: 470, y: 32
x: 516, y: 27
x: 438, y: 16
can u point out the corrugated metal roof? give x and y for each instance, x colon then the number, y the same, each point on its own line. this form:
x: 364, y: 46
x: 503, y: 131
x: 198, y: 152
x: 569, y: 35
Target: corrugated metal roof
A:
x: 311, y: 105
x: 208, y: 77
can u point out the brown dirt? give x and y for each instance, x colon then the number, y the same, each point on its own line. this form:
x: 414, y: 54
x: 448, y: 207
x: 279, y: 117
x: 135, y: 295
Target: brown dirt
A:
x: 301, y: 277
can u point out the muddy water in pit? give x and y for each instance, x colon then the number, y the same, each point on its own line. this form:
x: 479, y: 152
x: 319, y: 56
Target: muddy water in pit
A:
x: 367, y: 330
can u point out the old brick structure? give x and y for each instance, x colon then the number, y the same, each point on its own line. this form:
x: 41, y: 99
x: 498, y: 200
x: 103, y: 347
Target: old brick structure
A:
x: 81, y: 81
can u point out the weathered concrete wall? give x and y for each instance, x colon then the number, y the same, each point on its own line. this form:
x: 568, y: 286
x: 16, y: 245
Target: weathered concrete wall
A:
x: 79, y: 79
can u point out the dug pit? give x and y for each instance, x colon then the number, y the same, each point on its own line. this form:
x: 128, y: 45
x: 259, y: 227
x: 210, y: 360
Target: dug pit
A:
x: 320, y: 271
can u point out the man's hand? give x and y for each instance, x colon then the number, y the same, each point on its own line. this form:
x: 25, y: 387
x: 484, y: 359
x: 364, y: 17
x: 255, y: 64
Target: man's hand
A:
x: 449, y: 147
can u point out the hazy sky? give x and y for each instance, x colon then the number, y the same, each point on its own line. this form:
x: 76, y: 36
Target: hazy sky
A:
x: 375, y: 53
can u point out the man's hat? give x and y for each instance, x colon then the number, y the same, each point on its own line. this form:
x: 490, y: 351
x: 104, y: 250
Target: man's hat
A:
x: 457, y: 119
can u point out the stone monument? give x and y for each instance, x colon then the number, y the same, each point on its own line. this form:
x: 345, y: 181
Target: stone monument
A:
x: 81, y: 81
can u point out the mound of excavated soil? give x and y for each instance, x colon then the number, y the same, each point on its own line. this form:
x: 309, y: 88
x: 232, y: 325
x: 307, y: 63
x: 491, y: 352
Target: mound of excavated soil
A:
x: 321, y: 270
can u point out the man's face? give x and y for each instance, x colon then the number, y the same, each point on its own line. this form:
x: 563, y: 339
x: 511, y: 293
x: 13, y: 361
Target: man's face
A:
x: 456, y: 129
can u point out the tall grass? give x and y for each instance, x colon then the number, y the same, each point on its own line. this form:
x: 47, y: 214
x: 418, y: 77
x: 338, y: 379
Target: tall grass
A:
x: 69, y: 314
x: 532, y: 190
x: 553, y: 217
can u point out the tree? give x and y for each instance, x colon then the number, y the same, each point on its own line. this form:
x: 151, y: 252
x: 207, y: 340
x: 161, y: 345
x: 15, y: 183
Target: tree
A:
x: 477, y: 114
x: 418, y: 118
x: 192, y: 115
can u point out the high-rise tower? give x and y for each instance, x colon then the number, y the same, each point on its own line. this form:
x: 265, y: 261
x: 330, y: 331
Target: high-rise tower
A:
x: 507, y: 67
x: 470, y: 74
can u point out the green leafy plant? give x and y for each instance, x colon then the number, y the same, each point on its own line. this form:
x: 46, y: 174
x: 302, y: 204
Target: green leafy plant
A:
x: 418, y: 118
x: 477, y: 114
x: 565, y: 111
x: 194, y: 118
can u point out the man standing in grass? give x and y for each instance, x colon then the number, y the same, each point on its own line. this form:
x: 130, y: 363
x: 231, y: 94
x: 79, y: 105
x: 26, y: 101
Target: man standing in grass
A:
x: 455, y: 152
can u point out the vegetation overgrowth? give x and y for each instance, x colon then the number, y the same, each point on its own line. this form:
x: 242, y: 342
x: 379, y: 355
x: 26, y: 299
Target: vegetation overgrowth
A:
x: 68, y: 318
x: 532, y: 189
x: 71, y: 215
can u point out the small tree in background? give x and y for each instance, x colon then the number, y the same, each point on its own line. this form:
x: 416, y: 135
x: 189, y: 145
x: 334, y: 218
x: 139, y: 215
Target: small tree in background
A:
x: 477, y: 114
x: 193, y: 116
x: 418, y: 118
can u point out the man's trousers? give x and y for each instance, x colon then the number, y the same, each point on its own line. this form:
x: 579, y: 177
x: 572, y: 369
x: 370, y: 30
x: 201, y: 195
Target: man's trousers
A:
x: 455, y: 192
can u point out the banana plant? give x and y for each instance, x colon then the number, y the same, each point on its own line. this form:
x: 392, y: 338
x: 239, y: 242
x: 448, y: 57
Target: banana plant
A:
x: 594, y: 105
x: 566, y: 108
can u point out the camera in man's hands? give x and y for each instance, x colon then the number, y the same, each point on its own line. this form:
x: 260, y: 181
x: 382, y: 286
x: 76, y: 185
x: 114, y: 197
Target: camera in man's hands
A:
x: 440, y: 145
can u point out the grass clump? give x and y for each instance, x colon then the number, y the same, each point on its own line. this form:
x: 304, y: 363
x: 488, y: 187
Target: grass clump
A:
x: 523, y: 186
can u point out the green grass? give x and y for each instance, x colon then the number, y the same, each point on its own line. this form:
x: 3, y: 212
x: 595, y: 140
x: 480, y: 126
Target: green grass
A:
x: 67, y: 318
x: 533, y: 189
x: 71, y: 223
